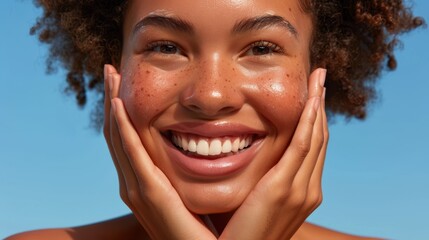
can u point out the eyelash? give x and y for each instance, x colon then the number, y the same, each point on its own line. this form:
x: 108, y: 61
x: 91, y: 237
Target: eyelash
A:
x: 272, y: 47
x: 151, y: 47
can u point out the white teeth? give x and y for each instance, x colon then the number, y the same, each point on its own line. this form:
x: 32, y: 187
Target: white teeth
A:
x: 215, y: 147
x: 184, y: 144
x: 235, y: 145
x: 242, y: 143
x: 227, y: 146
x: 203, y: 147
x: 211, y: 147
x: 247, y: 142
x: 192, y: 146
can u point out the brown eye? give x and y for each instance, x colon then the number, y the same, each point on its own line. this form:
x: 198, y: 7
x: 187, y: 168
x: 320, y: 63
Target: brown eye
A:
x: 163, y: 47
x: 167, y: 49
x: 260, y: 48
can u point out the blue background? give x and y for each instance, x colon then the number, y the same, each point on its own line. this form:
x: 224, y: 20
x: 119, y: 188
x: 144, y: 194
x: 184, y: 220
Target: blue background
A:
x: 55, y: 170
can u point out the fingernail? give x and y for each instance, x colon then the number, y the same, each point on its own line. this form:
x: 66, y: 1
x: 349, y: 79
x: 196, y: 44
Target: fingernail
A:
x: 324, y: 93
x: 316, y: 103
x: 322, y: 77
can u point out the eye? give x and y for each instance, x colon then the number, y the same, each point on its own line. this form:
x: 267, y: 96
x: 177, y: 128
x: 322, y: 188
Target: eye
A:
x: 163, y: 47
x: 263, y: 48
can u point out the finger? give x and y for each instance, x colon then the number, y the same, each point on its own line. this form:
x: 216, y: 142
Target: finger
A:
x: 109, y: 70
x: 301, y: 141
x: 316, y: 82
x: 314, y: 195
x: 124, y: 169
x: 317, y: 139
x: 129, y: 187
x: 299, y: 196
x: 305, y: 171
x: 133, y: 147
x: 107, y: 75
x: 316, y: 178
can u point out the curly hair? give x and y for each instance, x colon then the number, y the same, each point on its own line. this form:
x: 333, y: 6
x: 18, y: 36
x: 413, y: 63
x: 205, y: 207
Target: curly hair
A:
x: 359, y: 36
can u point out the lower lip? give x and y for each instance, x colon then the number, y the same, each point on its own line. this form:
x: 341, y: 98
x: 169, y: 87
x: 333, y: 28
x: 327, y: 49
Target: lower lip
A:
x: 212, y: 168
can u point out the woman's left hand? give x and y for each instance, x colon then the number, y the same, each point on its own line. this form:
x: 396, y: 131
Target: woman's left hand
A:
x: 291, y: 190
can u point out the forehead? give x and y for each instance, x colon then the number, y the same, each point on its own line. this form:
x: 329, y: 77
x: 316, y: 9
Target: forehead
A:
x: 212, y: 16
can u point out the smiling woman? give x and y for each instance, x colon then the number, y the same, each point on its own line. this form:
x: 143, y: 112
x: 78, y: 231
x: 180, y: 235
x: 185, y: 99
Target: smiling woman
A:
x: 217, y: 126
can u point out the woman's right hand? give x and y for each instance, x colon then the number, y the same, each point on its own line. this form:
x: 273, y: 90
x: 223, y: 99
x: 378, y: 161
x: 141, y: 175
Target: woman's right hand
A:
x: 143, y: 186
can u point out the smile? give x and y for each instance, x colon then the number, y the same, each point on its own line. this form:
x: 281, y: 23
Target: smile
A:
x: 211, y: 150
x: 205, y: 146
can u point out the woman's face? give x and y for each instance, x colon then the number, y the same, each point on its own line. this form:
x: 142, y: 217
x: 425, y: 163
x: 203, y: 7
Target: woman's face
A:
x: 215, y: 90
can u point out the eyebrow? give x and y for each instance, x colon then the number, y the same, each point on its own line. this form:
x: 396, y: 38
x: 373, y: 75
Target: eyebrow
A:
x: 172, y: 23
x: 245, y: 25
x: 264, y: 21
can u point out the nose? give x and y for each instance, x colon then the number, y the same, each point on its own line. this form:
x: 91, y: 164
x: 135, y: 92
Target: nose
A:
x: 213, y: 89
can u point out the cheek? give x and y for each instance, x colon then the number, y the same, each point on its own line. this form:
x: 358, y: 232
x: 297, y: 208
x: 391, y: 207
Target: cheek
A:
x: 281, y: 98
x: 146, y: 92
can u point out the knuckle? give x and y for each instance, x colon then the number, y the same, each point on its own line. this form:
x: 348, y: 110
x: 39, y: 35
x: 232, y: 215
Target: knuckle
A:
x: 320, y: 140
x: 302, y: 147
x: 129, y: 145
x: 326, y: 135
x: 314, y: 199
x: 279, y: 190
x: 297, y: 199
x: 124, y: 197
x: 319, y: 200
x: 133, y: 196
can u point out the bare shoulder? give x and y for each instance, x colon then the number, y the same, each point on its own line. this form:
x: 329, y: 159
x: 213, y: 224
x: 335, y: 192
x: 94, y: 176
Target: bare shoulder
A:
x: 310, y: 231
x: 125, y: 227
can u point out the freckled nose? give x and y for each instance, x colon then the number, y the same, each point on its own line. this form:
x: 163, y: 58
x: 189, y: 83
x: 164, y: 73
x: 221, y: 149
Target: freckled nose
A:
x: 213, y: 90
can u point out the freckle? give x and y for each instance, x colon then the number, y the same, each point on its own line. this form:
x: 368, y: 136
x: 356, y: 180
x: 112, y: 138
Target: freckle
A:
x: 290, y: 9
x: 147, y: 71
x: 132, y: 82
x: 288, y: 75
x: 148, y: 95
x: 175, y: 84
x: 141, y: 89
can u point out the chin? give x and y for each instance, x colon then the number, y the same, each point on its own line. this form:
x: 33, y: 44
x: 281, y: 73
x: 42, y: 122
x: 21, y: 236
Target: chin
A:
x: 213, y: 198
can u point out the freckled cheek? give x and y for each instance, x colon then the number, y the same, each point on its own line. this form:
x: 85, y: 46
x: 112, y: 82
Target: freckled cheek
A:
x: 282, y: 99
x: 146, y: 93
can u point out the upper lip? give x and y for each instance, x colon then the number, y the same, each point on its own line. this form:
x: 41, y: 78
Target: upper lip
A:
x: 213, y: 129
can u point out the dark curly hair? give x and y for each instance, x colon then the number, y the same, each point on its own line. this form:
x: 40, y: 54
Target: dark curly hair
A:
x: 359, y: 36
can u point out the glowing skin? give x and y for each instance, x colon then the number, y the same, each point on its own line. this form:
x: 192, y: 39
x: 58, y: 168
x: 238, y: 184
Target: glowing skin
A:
x: 215, y: 75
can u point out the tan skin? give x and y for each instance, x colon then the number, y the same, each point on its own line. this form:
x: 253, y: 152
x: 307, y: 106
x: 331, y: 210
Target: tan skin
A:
x: 240, y: 80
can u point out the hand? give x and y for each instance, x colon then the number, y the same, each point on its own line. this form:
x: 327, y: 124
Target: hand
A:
x: 291, y: 190
x: 143, y: 186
